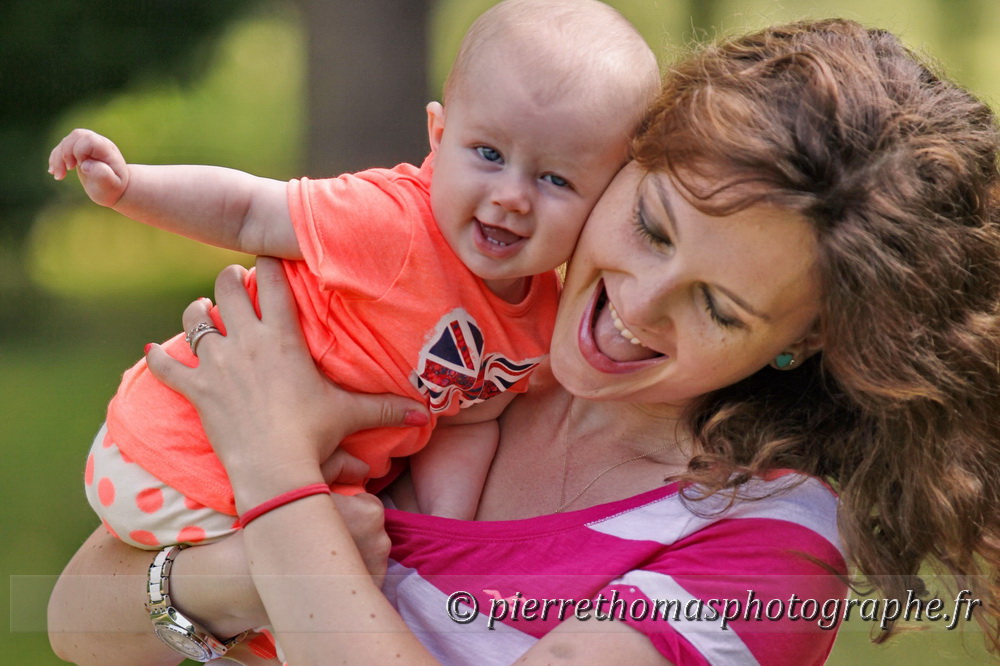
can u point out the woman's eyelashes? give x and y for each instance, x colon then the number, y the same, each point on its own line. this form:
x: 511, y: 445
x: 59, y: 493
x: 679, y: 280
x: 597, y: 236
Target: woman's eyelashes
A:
x: 713, y: 311
x: 642, y: 227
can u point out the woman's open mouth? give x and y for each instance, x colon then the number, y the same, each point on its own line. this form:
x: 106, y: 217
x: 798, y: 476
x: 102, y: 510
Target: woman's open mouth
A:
x: 606, y: 343
x: 496, y: 242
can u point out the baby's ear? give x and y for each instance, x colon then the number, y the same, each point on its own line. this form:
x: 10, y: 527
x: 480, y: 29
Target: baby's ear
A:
x: 435, y: 124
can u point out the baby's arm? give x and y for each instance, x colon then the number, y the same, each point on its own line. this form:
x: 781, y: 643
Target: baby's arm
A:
x: 449, y: 473
x: 214, y: 205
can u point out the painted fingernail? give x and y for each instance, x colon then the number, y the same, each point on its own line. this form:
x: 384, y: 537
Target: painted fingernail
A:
x: 416, y: 418
x: 145, y: 350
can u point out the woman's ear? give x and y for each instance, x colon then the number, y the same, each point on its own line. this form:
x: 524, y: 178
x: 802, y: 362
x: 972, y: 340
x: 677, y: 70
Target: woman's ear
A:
x: 812, y: 342
x: 799, y: 351
x: 435, y: 124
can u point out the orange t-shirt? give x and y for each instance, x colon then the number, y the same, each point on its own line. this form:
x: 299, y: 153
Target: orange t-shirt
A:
x: 386, y: 307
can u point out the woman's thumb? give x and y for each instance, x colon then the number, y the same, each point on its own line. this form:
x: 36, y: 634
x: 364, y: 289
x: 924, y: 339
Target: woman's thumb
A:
x: 387, y: 411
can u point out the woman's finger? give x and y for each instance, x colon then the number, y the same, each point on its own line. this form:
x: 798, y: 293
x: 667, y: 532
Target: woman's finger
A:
x: 343, y: 468
x: 274, y: 295
x: 197, y: 312
x: 235, y: 306
x: 169, y: 370
x: 366, y: 411
x: 200, y: 325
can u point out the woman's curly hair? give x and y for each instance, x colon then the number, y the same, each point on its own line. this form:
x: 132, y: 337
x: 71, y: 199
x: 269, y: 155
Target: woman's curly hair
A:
x: 896, y: 169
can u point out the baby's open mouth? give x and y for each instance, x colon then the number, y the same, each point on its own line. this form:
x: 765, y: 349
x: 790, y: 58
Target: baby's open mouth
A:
x: 498, y: 235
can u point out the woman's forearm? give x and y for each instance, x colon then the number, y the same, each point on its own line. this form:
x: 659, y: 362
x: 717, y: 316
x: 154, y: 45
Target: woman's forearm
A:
x: 322, y: 601
x: 97, y: 611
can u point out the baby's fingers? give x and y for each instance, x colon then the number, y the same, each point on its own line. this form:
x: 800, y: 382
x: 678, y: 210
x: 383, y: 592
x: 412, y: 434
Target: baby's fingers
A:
x: 61, y: 159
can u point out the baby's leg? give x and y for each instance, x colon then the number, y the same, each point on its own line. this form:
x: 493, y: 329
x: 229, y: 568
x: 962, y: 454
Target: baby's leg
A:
x: 141, y: 510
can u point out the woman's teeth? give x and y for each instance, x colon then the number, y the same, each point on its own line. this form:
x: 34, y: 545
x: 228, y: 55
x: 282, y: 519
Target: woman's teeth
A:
x: 625, y: 333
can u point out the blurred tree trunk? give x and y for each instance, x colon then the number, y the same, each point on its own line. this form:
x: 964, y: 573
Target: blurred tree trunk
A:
x: 367, y: 83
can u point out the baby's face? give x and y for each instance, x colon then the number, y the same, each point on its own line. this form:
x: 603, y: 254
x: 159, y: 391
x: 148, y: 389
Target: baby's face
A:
x: 516, y: 174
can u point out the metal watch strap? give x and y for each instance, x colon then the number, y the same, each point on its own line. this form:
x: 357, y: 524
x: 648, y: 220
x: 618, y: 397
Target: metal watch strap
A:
x: 171, y: 626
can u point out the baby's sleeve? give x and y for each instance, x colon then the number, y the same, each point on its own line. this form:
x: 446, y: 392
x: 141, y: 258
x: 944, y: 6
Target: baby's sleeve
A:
x: 355, y: 231
x: 742, y: 591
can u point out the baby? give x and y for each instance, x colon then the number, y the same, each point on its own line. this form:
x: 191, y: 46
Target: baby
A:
x: 433, y: 282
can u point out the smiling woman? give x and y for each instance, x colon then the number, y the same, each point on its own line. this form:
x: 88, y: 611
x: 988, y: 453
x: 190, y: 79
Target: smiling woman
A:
x: 678, y: 303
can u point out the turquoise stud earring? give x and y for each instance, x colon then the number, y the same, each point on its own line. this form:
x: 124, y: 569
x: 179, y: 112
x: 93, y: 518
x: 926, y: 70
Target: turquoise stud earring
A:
x: 784, y: 361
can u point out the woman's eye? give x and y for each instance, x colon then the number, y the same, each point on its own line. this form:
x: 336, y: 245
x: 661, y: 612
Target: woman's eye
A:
x: 558, y: 181
x: 713, y: 312
x: 489, y: 154
x: 639, y: 221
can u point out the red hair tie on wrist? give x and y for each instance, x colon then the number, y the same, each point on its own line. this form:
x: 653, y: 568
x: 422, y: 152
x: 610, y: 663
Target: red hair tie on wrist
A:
x: 282, y: 500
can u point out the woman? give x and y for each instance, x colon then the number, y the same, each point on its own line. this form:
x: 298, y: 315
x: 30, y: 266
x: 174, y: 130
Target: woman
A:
x: 809, y: 198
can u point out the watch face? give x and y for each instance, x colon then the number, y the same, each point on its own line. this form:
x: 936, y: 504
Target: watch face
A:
x: 183, y: 642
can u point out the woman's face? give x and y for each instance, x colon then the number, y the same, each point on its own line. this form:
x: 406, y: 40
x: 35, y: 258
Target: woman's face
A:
x: 664, y: 303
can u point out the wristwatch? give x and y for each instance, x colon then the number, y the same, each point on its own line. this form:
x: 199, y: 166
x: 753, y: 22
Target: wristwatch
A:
x: 177, y: 631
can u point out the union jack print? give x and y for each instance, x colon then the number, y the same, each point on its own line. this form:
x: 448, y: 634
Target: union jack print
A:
x: 452, y: 365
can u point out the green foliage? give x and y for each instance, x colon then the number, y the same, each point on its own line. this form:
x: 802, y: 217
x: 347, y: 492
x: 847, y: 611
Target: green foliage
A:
x: 219, y: 119
x: 56, y: 53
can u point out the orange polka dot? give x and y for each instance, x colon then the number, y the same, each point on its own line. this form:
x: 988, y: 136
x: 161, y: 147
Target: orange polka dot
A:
x: 108, y: 528
x: 125, y: 458
x: 149, y: 500
x: 106, y: 442
x: 191, y: 534
x: 88, y: 471
x: 192, y: 504
x: 144, y: 537
x: 106, y: 491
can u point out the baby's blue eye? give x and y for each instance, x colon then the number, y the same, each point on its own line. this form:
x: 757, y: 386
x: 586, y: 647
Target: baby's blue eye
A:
x: 489, y: 154
x: 558, y: 181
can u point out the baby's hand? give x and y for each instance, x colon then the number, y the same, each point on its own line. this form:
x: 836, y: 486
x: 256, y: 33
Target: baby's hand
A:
x: 100, y: 165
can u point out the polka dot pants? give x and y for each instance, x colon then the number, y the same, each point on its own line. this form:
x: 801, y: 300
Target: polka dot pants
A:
x: 141, y: 510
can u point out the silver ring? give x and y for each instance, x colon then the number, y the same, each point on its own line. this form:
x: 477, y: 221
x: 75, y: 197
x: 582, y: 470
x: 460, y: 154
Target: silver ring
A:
x: 196, y: 334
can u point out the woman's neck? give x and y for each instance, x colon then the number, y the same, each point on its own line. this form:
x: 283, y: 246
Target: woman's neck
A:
x: 559, y: 452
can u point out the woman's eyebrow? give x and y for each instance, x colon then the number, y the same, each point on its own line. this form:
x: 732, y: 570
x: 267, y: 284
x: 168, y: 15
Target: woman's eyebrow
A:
x: 743, y: 304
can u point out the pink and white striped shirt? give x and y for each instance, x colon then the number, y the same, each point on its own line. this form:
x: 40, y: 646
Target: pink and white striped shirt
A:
x: 751, y: 584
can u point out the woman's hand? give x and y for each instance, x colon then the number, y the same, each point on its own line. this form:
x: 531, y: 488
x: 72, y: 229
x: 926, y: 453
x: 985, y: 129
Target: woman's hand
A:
x: 272, y: 418
x: 365, y: 518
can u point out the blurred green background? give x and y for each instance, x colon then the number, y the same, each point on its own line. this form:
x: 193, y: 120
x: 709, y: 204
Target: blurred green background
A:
x: 257, y: 86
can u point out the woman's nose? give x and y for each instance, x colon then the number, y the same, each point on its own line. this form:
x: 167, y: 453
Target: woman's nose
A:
x: 513, y: 194
x: 648, y: 305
